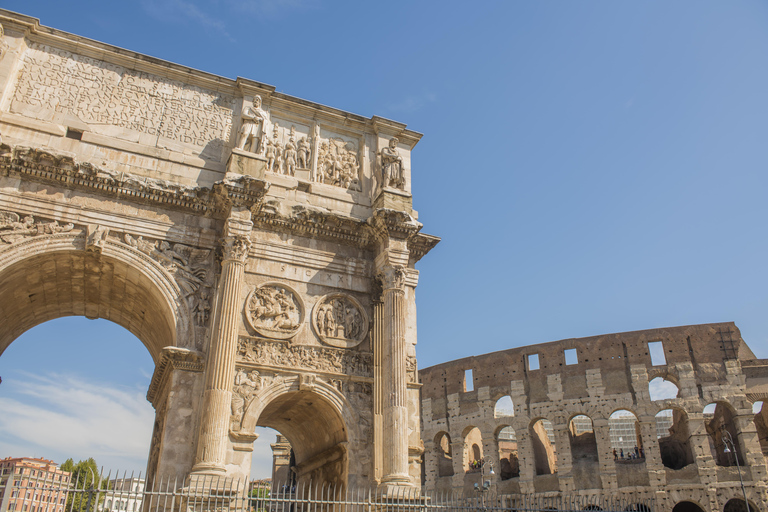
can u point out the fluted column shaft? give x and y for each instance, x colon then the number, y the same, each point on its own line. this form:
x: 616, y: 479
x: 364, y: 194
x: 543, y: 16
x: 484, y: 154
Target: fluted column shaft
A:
x: 220, y: 360
x: 394, y: 376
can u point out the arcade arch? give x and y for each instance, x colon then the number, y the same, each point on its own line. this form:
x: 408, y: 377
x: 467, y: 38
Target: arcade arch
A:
x: 543, y: 444
x: 624, y: 433
x: 674, y: 436
x: 719, y: 419
x: 687, y: 506
x: 662, y: 389
x: 761, y: 424
x: 444, y: 454
x: 473, y: 447
x: 509, y: 463
x: 738, y: 505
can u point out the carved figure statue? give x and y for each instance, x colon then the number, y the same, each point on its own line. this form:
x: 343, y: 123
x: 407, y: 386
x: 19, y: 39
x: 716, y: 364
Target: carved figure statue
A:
x: 13, y: 228
x: 290, y: 157
x: 254, y: 119
x: 243, y: 393
x: 392, y: 171
x: 273, y: 309
x: 202, y: 307
x: 271, y: 154
x: 304, y: 151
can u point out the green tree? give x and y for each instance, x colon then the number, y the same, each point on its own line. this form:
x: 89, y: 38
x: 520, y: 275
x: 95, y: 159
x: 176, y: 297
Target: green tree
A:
x: 85, y: 484
x: 259, y: 498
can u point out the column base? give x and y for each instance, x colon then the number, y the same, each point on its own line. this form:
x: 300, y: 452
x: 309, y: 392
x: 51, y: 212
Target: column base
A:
x: 207, y: 469
x: 398, y: 485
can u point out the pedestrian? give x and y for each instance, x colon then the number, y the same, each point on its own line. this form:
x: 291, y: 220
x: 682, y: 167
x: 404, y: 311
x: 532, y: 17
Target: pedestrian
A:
x: 615, y: 454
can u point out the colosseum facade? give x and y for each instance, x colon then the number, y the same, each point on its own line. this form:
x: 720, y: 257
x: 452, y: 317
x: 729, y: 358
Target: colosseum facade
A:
x: 661, y: 413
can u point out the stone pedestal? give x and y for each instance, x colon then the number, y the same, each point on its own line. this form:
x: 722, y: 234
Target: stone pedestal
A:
x: 246, y: 163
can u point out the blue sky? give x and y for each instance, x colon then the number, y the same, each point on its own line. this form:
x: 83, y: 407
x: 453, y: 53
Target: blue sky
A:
x: 592, y: 166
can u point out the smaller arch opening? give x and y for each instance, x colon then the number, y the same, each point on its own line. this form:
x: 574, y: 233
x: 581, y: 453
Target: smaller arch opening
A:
x: 444, y: 454
x: 738, y: 505
x: 662, y: 389
x: 624, y: 433
x: 473, y: 442
x: 674, y: 436
x: 504, y: 407
x: 687, y: 506
x: 723, y: 436
x: 544, y: 450
x: 509, y: 464
x: 761, y: 425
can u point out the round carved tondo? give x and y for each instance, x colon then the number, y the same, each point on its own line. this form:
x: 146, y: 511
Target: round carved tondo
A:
x: 274, y: 311
x: 340, y: 320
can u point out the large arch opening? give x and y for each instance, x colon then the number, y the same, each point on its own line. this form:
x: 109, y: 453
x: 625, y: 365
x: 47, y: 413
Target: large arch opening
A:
x: 624, y: 433
x: 317, y: 435
x: 76, y: 388
x: 509, y: 463
x: 64, y: 283
x: 761, y: 425
x: 444, y: 454
x: 581, y: 435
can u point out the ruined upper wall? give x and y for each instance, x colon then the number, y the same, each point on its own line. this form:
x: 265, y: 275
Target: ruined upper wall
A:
x: 705, y: 346
x: 127, y: 112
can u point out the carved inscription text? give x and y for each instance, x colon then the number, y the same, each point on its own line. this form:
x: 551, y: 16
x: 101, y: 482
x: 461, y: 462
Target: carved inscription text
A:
x: 102, y: 93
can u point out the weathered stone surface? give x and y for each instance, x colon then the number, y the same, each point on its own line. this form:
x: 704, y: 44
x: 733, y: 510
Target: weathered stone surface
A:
x: 682, y: 461
x: 231, y: 228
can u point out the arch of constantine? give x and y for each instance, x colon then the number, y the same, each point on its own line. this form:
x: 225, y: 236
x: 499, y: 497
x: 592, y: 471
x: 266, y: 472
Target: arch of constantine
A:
x: 262, y: 247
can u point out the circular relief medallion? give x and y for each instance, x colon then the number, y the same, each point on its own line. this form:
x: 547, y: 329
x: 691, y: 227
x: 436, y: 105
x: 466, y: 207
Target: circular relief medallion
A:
x: 340, y: 320
x: 274, y: 311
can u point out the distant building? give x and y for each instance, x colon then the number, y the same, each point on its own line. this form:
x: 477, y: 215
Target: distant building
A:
x: 125, y: 495
x: 39, y: 484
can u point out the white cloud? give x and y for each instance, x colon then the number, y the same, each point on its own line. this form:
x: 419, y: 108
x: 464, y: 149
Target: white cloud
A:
x: 661, y: 389
x: 171, y: 11
x: 413, y: 103
x: 62, y: 416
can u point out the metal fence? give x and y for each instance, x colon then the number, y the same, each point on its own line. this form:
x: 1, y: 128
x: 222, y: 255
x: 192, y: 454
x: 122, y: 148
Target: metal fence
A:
x: 128, y: 493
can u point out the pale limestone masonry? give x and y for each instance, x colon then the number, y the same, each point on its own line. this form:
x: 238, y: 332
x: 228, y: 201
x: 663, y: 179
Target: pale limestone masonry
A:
x: 261, y: 246
x: 714, y: 375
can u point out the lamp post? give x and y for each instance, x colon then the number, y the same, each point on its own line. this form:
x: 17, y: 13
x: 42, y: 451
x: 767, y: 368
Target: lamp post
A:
x: 486, y: 484
x: 728, y: 439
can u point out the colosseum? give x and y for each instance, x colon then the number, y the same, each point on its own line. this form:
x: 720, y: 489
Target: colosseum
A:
x: 662, y: 413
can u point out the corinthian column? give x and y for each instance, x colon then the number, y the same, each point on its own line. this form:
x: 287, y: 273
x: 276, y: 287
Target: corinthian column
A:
x: 220, y: 359
x: 393, y: 376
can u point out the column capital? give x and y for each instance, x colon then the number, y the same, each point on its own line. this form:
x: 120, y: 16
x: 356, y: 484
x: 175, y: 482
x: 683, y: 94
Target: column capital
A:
x: 237, y: 235
x: 391, y: 277
x: 235, y: 248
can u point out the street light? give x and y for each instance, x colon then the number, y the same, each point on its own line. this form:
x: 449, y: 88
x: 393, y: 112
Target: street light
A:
x: 486, y: 483
x: 727, y: 438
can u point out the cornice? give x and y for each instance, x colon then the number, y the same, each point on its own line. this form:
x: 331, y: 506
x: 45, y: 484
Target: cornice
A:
x: 38, y: 33
x: 394, y: 223
x: 315, y: 222
x: 420, y: 244
x: 47, y: 167
x: 172, y: 358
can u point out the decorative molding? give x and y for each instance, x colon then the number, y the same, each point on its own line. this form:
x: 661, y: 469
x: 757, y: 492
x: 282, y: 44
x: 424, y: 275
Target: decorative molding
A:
x: 172, y: 358
x: 47, y: 167
x: 262, y: 353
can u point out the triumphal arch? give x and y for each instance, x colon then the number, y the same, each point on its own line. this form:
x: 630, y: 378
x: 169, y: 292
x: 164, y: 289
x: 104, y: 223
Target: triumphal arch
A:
x: 262, y: 247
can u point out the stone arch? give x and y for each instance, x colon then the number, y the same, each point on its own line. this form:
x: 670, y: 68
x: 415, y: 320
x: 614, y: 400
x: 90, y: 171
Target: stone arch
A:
x: 317, y: 420
x: 473, y: 446
x: 624, y: 434
x: 719, y: 419
x: 584, y: 454
x: 738, y: 505
x: 687, y: 506
x: 761, y: 424
x: 504, y: 407
x: 444, y: 454
x: 509, y: 462
x: 53, y: 276
x: 544, y: 449
x: 663, y: 388
x: 673, y: 435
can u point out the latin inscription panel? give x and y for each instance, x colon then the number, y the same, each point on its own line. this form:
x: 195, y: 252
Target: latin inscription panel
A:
x: 56, y: 81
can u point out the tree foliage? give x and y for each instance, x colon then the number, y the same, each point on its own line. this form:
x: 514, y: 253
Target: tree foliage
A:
x: 87, y: 482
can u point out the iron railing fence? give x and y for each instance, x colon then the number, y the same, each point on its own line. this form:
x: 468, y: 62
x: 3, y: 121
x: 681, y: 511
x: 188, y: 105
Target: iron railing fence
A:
x: 130, y: 493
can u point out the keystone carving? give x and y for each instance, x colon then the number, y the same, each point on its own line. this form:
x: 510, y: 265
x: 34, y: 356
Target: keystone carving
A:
x: 340, y: 321
x: 275, y: 311
x: 96, y: 238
